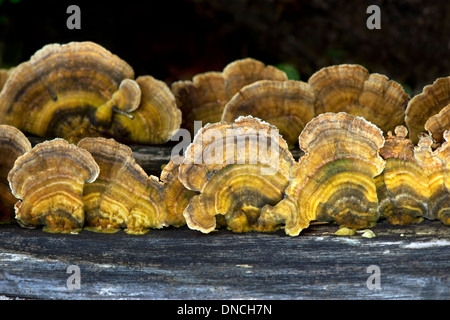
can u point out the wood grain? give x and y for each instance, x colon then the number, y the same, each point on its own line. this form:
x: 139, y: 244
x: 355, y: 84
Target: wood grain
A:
x: 171, y: 263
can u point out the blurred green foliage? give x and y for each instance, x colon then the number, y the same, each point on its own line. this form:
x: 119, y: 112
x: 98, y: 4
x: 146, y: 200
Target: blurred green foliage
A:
x: 290, y: 69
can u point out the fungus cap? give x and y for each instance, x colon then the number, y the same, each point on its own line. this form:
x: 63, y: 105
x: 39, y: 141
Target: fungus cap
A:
x: 13, y: 144
x: 49, y: 182
x: 240, y: 167
x: 433, y: 98
x: 402, y: 187
x: 288, y: 105
x: 333, y: 180
x: 352, y: 89
x: 123, y: 196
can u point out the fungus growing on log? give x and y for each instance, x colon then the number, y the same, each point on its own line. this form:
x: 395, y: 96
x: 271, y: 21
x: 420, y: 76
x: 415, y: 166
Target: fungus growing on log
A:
x: 437, y: 124
x: 155, y: 120
x: 79, y: 90
x: 49, y: 182
x: 334, y: 180
x: 402, y: 187
x: 175, y: 194
x: 423, y: 106
x: 352, y: 89
x: 288, y: 105
x: 238, y: 168
x: 436, y: 167
x: 204, y: 98
x: 123, y: 195
x: 13, y: 144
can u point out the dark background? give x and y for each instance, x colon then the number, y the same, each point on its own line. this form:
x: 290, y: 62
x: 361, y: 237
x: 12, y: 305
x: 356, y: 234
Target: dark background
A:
x: 174, y: 40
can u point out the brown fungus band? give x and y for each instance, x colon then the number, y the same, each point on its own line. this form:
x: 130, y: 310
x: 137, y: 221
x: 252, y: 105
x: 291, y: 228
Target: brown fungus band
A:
x: 4, y: 74
x: 435, y: 165
x: 288, y: 105
x: 13, y: 144
x: 352, y: 89
x: 204, y: 98
x: 238, y: 168
x: 333, y: 181
x: 80, y: 89
x: 175, y: 194
x: 436, y: 125
x: 422, y: 107
x: 49, y: 182
x: 402, y: 187
x: 123, y: 195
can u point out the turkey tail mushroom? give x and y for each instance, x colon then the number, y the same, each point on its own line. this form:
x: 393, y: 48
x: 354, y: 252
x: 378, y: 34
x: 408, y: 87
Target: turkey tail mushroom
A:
x: 204, y: 98
x: 123, y: 195
x: 175, y: 194
x: 402, y: 187
x: 334, y: 180
x: 13, y: 144
x: 352, y: 89
x: 436, y: 125
x: 288, y: 105
x: 237, y: 168
x: 49, y: 182
x: 436, y: 167
x: 79, y: 90
x: 421, y: 107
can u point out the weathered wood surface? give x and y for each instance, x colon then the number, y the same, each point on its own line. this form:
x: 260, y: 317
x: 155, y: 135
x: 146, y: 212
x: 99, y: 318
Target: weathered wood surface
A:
x: 170, y: 263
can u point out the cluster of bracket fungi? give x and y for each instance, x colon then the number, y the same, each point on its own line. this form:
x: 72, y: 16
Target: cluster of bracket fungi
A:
x: 358, y: 164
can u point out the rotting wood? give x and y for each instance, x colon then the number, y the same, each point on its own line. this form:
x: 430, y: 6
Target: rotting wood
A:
x: 178, y: 263
x: 172, y: 263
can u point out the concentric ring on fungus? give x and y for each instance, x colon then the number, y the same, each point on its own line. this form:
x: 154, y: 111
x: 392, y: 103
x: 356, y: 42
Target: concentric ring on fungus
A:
x: 79, y: 90
x: 13, y: 143
x: 204, y: 98
x: 334, y: 180
x: 238, y: 168
x: 352, y: 89
x: 123, y: 195
x: 436, y: 167
x: 288, y: 105
x: 437, y: 124
x: 402, y: 187
x: 423, y: 106
x: 49, y: 182
x: 175, y: 194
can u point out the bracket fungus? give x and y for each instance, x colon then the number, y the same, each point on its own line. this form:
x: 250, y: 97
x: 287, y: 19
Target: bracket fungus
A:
x: 155, y: 120
x: 437, y: 124
x: 436, y: 167
x: 201, y: 99
x: 288, y: 105
x: 334, y: 179
x: 49, y: 181
x: 175, y: 194
x: 421, y: 107
x: 238, y: 168
x: 243, y: 72
x: 352, y: 89
x: 81, y: 89
x: 13, y: 144
x: 204, y: 98
x: 402, y: 187
x: 123, y: 195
